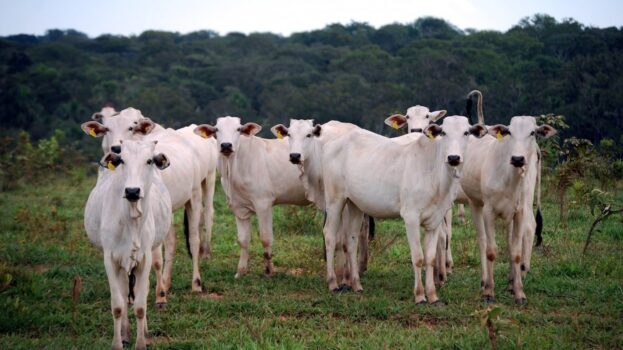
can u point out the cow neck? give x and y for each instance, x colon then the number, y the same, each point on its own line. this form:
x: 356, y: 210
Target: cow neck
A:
x: 508, y: 175
x: 311, y: 175
x: 134, y: 224
x: 232, y: 165
x: 445, y: 179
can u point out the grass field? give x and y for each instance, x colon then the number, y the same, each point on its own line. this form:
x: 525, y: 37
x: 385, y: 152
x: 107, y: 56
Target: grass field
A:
x: 574, y: 301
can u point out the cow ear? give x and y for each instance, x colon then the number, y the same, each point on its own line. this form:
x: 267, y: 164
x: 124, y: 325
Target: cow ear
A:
x: 546, y: 131
x: 478, y: 130
x: 279, y: 130
x: 144, y: 126
x: 436, y: 115
x: 94, y: 129
x: 206, y: 131
x: 250, y: 129
x: 161, y: 161
x: 396, y: 121
x: 97, y: 116
x: 317, y: 130
x: 111, y: 161
x: 498, y: 131
x: 432, y: 131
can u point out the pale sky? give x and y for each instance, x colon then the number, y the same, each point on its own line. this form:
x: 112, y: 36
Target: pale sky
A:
x: 127, y: 17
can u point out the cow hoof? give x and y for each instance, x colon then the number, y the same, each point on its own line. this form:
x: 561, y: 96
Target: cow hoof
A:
x: 521, y: 301
x: 438, y: 303
x: 125, y: 343
x: 205, y: 253
x: 489, y: 299
x: 345, y: 288
x: 161, y: 305
x: 421, y: 302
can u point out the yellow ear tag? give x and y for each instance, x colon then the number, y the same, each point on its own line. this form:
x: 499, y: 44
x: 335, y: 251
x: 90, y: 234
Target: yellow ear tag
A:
x: 395, y: 124
x: 111, y: 166
x: 279, y: 135
x: 430, y: 135
x: 92, y: 132
x: 499, y: 135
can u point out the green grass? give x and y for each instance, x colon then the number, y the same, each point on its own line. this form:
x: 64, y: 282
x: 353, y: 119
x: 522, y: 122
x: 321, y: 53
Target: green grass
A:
x: 574, y: 301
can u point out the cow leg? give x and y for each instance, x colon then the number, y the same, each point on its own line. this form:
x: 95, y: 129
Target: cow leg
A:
x: 141, y: 289
x: 364, y: 240
x: 169, y: 254
x: 265, y: 223
x: 477, y: 216
x: 118, y: 283
x: 342, y: 265
x: 515, y: 244
x: 417, y: 256
x: 430, y: 246
x: 244, y: 238
x: 449, y: 262
x: 440, y: 272
x: 208, y: 186
x: 355, y: 218
x: 161, y: 295
x: 334, y: 210
x: 193, y: 210
x: 528, y: 228
x: 488, y: 293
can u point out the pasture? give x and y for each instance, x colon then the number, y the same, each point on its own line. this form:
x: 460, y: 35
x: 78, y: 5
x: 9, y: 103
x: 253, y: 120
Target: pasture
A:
x: 574, y: 301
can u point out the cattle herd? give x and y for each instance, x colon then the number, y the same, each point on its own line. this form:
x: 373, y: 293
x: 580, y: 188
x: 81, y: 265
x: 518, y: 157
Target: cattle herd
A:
x: 348, y: 172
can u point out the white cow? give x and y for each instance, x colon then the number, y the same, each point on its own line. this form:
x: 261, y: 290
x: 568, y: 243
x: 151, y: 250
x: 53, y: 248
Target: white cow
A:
x: 416, y: 119
x: 255, y: 175
x: 305, y: 142
x: 193, y: 160
x: 385, y: 179
x: 127, y: 215
x: 499, y: 179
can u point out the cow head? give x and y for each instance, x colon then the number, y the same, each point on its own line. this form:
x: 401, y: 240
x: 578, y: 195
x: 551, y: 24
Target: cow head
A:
x: 417, y: 118
x: 128, y: 124
x: 227, y: 132
x: 520, y: 138
x: 453, y: 134
x: 137, y: 161
x: 301, y: 133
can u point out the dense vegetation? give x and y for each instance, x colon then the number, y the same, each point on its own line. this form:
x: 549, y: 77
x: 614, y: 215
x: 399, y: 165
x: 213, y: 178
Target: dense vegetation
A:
x: 346, y: 72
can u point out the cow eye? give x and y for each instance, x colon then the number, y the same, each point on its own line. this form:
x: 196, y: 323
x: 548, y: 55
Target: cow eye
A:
x: 466, y: 133
x: 238, y: 129
x: 532, y: 133
x: 427, y: 116
x: 443, y: 133
x: 149, y: 161
x: 407, y: 117
x: 130, y: 128
x: 308, y: 135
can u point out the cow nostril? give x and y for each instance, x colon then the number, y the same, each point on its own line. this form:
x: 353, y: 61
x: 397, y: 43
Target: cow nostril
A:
x: 295, y: 158
x: 454, y: 160
x: 116, y: 149
x: 226, y: 148
x: 132, y: 193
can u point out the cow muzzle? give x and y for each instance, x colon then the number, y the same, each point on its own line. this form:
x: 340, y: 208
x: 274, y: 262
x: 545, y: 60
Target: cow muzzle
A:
x: 518, y: 161
x: 132, y: 194
x: 115, y: 149
x: 454, y: 160
x: 227, y: 149
x: 295, y: 158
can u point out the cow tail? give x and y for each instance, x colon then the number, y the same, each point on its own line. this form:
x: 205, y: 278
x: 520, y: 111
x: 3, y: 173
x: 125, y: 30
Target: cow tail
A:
x: 131, y: 284
x: 481, y: 116
x: 539, y: 216
x: 371, y: 228
x: 468, y: 109
x: 324, y: 244
x: 186, y: 233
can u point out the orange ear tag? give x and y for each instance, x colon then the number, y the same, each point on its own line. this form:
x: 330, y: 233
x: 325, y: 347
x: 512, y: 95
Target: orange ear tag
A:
x: 395, y: 124
x: 92, y: 132
x: 499, y: 135
x: 111, y: 166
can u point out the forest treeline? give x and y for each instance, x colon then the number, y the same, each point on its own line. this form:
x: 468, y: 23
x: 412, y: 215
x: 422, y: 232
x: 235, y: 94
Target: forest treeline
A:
x: 353, y: 73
